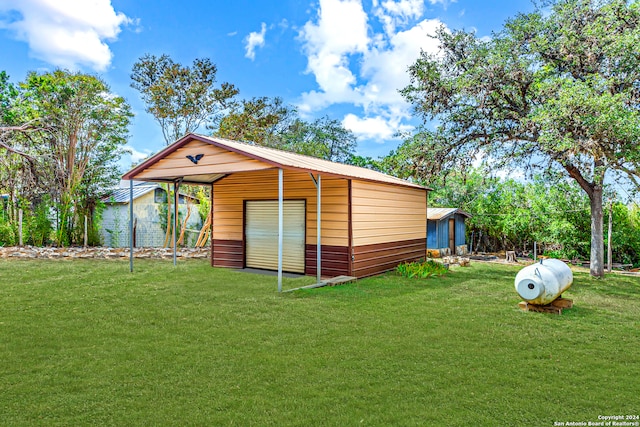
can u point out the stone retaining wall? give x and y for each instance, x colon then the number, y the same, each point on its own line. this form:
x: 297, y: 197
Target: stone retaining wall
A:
x: 99, y: 252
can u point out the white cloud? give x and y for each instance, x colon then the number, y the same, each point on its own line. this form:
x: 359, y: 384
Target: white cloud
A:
x: 385, y: 67
x: 65, y: 33
x: 340, y: 31
x: 254, y: 40
x: 377, y: 128
x: 355, y: 65
x: 398, y: 13
x: 283, y: 24
x: 137, y: 156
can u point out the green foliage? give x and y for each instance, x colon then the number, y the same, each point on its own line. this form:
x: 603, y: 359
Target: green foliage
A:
x: 324, y: 138
x: 626, y: 234
x: 7, y: 234
x: 365, y: 162
x: 271, y: 123
x: 180, y: 98
x: 203, y: 194
x: 556, y: 89
x: 68, y: 134
x: 421, y: 269
x: 39, y: 224
x: 260, y: 120
x: 508, y: 214
x: 8, y: 98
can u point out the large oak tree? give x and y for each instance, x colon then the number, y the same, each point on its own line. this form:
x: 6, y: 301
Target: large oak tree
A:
x: 555, y: 89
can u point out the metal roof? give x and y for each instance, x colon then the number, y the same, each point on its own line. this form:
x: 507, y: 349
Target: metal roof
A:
x: 439, y: 213
x: 121, y: 195
x: 276, y: 158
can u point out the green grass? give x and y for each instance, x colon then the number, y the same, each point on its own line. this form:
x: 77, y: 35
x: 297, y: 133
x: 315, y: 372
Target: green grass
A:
x: 88, y: 343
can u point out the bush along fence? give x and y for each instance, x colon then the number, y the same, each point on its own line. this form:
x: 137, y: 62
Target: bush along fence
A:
x: 26, y: 228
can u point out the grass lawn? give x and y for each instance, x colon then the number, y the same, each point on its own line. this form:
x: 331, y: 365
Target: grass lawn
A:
x: 88, y: 343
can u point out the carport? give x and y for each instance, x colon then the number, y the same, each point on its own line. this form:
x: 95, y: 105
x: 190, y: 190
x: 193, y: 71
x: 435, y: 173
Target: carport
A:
x: 288, y: 212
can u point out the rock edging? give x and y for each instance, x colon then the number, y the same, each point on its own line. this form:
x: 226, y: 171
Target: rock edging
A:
x: 98, y: 252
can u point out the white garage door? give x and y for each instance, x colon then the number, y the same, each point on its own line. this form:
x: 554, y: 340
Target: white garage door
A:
x: 261, y: 235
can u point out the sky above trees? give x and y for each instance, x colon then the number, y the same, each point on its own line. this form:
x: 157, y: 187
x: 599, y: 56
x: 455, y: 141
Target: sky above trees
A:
x: 341, y: 59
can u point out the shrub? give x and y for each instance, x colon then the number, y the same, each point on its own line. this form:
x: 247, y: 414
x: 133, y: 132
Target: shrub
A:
x: 421, y: 269
x: 562, y: 253
x: 40, y: 224
x: 7, y: 234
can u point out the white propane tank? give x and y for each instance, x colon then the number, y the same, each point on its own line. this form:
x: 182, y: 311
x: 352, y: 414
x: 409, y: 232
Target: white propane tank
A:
x: 542, y: 282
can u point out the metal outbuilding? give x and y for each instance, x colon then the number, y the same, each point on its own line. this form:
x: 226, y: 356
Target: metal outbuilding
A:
x: 446, y: 231
x: 283, y: 211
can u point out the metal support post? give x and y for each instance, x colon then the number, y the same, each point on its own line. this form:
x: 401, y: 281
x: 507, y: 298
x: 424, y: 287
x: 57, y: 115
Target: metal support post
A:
x: 280, y: 225
x: 319, y: 232
x: 176, y: 199
x: 131, y: 225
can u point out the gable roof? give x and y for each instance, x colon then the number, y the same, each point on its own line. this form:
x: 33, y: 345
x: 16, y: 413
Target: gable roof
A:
x: 262, y: 157
x: 440, y: 213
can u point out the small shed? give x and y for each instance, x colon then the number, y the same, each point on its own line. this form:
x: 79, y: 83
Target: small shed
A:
x: 283, y: 211
x: 149, y: 199
x: 446, y: 231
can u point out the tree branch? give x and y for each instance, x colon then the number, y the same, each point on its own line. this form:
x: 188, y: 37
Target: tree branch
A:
x: 24, y: 129
x: 575, y: 173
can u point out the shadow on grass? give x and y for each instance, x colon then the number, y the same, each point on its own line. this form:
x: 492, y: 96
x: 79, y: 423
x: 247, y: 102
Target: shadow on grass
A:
x: 387, y: 285
x: 381, y: 286
x: 617, y: 286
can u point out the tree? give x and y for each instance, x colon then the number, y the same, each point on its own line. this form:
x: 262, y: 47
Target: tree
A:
x: 271, y: 123
x: 555, y: 89
x: 181, y: 99
x: 510, y: 214
x: 86, y: 128
x: 324, y: 138
x: 260, y: 120
x: 13, y: 120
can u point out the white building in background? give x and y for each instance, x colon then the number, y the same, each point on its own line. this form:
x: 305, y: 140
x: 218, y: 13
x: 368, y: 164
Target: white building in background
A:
x: 149, y: 200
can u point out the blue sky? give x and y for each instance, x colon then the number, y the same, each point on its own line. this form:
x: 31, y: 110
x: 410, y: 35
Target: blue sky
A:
x: 341, y: 58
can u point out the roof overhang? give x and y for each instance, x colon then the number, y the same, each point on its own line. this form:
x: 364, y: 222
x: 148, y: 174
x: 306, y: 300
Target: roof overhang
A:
x: 437, y: 214
x: 176, y: 163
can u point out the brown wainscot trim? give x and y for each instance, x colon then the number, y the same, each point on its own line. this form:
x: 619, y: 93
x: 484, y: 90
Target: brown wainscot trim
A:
x: 335, y: 260
x: 228, y: 253
x: 378, y: 258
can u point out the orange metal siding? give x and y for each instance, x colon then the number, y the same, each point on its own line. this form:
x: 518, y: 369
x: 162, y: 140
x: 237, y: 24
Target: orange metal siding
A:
x: 231, y: 191
x: 383, y: 213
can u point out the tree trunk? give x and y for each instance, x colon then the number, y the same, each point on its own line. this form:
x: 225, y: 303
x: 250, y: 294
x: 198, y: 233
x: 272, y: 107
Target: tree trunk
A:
x: 597, y: 235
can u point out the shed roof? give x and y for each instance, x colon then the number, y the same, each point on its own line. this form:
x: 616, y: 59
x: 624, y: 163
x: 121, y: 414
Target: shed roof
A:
x: 439, y: 213
x: 121, y: 194
x: 270, y: 157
